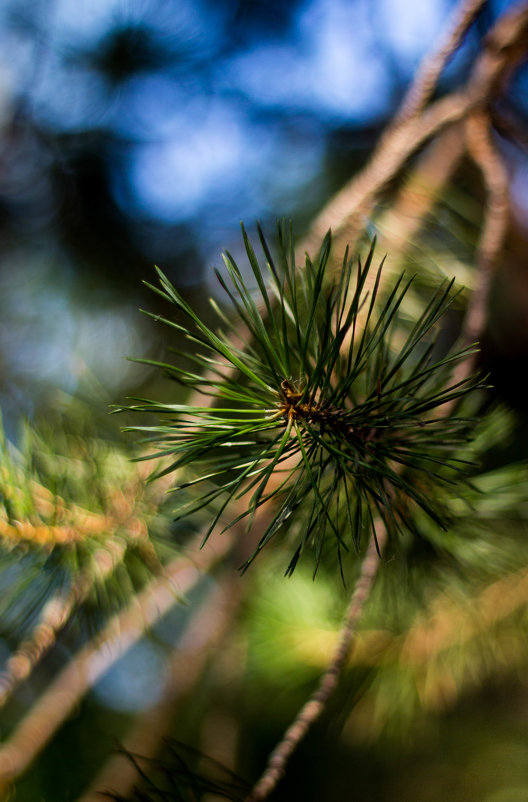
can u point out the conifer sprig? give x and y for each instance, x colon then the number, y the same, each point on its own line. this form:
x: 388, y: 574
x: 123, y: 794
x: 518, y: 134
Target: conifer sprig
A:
x: 319, y: 413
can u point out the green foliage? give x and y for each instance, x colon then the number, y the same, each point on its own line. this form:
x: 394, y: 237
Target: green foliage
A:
x: 318, y: 412
x: 75, y: 518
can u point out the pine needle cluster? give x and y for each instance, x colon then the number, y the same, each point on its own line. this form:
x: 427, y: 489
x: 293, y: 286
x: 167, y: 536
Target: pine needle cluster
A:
x: 317, y: 413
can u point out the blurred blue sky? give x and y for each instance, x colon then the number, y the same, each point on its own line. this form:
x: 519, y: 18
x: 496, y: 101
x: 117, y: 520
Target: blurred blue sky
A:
x: 143, y: 131
x: 224, y: 108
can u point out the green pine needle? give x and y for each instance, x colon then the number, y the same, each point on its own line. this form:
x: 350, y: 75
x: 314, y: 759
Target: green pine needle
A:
x: 319, y: 415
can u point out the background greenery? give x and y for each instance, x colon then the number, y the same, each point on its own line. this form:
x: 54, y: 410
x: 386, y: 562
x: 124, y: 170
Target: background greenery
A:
x: 140, y: 132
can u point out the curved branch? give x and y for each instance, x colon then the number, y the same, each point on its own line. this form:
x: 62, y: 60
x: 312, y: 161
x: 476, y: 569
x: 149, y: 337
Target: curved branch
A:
x: 428, y: 74
x: 504, y: 48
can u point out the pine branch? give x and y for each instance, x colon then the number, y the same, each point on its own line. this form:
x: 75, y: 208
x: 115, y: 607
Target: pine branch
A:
x: 50, y: 528
x: 339, y: 401
x: 319, y: 399
x: 55, y: 615
x: 452, y: 112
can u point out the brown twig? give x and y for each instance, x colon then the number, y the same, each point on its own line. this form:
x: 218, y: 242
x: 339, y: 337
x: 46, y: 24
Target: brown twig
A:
x: 205, y: 631
x: 431, y: 68
x: 487, y: 157
x: 313, y: 708
x: 93, y: 660
x: 504, y: 48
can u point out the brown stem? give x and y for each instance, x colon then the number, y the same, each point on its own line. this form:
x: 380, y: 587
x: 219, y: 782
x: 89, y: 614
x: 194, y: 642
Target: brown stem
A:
x: 313, y: 708
x: 204, y: 633
x: 504, y: 48
x: 485, y: 154
x: 93, y: 660
x: 431, y: 68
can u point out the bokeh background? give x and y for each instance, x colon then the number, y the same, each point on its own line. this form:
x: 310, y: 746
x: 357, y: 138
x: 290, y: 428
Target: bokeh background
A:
x: 140, y: 132
x: 136, y: 132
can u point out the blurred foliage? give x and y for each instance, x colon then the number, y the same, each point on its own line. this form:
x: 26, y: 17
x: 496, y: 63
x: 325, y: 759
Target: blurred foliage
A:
x: 141, y: 132
x: 75, y: 515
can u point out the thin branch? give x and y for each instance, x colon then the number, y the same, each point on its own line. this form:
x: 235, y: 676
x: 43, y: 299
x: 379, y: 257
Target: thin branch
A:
x: 485, y: 154
x: 203, y: 634
x: 313, y: 708
x: 504, y: 48
x: 93, y: 660
x: 428, y: 74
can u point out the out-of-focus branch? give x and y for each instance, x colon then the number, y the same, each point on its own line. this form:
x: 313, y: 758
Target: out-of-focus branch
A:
x: 398, y: 225
x: 93, y: 660
x: 205, y: 631
x: 504, y: 48
x: 55, y: 614
x: 485, y: 154
x: 431, y: 68
x: 315, y: 705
